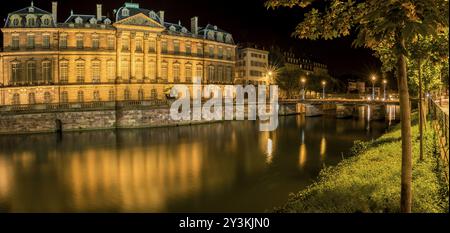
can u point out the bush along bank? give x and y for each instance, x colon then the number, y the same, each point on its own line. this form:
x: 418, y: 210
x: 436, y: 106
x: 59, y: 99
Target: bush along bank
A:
x: 369, y: 181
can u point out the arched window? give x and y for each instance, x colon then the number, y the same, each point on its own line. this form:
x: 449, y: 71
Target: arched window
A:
x: 141, y: 94
x: 31, y: 72
x: 80, y: 96
x: 176, y: 73
x: 78, y: 20
x: 31, y: 98
x: 15, y: 72
x: 154, y: 94
x: 64, y: 97
x: 126, y: 94
x: 199, y: 72
x: 64, y: 72
x: 111, y: 95
x: 211, y: 73
x: 164, y: 72
x: 139, y: 69
x: 47, y: 97
x: 31, y: 20
x: 80, y: 71
x: 188, y: 72
x: 16, y: 99
x: 125, y: 12
x: 96, y: 71
x: 111, y: 71
x: 96, y: 95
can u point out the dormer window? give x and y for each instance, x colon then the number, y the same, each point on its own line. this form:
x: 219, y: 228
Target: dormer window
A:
x: 107, y: 21
x: 228, y: 38
x: 46, y: 19
x: 125, y: 12
x: 78, y: 20
x: 93, y: 21
x: 152, y: 15
x: 184, y: 30
x: 15, y: 21
x: 31, y: 9
x: 172, y: 28
x: 31, y: 20
x: 211, y: 35
x: 220, y: 36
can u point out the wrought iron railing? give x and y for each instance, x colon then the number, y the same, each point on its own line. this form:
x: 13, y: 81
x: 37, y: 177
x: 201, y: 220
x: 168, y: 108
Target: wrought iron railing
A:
x: 440, y: 123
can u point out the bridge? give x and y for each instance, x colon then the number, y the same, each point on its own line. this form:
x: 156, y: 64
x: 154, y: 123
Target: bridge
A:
x: 343, y: 107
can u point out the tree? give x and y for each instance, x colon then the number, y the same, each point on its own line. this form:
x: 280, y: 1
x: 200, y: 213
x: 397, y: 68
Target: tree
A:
x: 375, y: 22
x: 288, y: 79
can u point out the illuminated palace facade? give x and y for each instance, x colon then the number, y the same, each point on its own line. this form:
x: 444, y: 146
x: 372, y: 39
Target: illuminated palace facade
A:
x: 135, y: 55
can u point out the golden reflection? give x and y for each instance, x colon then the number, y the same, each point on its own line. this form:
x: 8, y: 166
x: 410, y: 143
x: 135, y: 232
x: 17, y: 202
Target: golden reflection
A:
x: 5, y: 178
x: 269, y: 151
x: 302, y: 156
x: 323, y: 148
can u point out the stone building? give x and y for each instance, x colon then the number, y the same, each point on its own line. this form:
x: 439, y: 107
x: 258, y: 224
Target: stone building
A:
x: 136, y: 55
x: 252, y: 66
x: 307, y: 65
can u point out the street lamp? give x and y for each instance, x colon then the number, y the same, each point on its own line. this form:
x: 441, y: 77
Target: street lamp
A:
x: 373, y: 86
x: 384, y: 87
x: 270, y: 76
x: 324, y: 83
x: 303, y: 80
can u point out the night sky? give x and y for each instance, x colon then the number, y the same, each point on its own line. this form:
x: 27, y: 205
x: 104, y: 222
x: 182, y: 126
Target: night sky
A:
x: 247, y: 20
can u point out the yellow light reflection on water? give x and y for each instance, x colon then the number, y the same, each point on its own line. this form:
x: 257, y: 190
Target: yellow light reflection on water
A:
x: 323, y: 148
x: 302, y: 156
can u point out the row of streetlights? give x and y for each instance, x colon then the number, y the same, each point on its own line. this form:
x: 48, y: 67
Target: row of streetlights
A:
x: 303, y: 81
x: 374, y: 79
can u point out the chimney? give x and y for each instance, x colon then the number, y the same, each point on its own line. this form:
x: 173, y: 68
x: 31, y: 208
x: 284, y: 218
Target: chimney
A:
x: 161, y: 17
x: 55, y: 11
x: 194, y: 25
x: 99, y: 12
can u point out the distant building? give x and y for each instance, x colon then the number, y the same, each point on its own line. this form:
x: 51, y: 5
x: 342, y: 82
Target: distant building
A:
x: 356, y: 87
x: 309, y: 66
x: 252, y: 66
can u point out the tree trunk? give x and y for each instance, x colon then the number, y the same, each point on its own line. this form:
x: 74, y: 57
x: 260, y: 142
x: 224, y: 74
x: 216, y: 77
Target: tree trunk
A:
x: 420, y: 110
x: 405, y: 118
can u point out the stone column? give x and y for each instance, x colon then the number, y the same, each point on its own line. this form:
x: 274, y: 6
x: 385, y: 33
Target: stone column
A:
x: 146, y: 76
x: 118, y: 54
x: 158, y: 57
x: 133, y: 56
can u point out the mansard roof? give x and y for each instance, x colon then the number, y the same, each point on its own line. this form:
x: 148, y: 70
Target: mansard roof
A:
x: 133, y: 9
x: 85, y: 18
x: 22, y: 14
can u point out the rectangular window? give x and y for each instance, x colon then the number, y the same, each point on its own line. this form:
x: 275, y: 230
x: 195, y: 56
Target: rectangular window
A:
x: 111, y: 43
x: 46, y: 41
x: 199, y: 72
x: 63, y: 42
x: 96, y: 72
x: 211, y: 51
x: 199, y: 50
x: 30, y: 41
x: 80, y: 72
x: 95, y: 42
x: 125, y: 70
x: 139, y: 45
x: 176, y: 73
x: 80, y: 42
x: 152, y: 70
x: 220, y: 74
x: 220, y: 53
x: 139, y: 70
x: 15, y: 42
x: 164, y: 46
x: 31, y: 72
x: 64, y: 72
x: 228, y: 75
x: 188, y: 48
x: 125, y: 44
x: 229, y: 54
x: 176, y: 47
x: 111, y: 72
x: 47, y: 71
x: 151, y: 46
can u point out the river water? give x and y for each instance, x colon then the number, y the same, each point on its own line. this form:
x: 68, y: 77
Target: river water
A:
x: 220, y: 167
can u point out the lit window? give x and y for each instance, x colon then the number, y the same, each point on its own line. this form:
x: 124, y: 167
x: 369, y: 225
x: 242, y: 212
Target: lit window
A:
x: 30, y: 41
x: 111, y: 71
x: 176, y: 73
x: 80, y: 72
x: 15, y: 42
x: 31, y: 72
x: 188, y: 73
x: 64, y: 72
x: 95, y: 42
x: 15, y: 72
x: 139, y: 69
x: 80, y: 41
x: 96, y: 71
x: 80, y: 96
x: 46, y: 41
x: 47, y: 71
x: 63, y: 41
x: 164, y: 74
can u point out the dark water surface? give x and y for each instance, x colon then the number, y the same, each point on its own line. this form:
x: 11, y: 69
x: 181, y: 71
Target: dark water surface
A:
x: 222, y: 167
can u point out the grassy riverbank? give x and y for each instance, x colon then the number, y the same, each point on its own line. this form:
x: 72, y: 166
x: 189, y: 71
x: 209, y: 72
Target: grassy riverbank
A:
x: 370, y: 181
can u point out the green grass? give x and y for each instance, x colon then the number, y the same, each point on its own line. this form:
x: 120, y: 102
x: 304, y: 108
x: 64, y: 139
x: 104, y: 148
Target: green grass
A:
x: 370, y: 180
